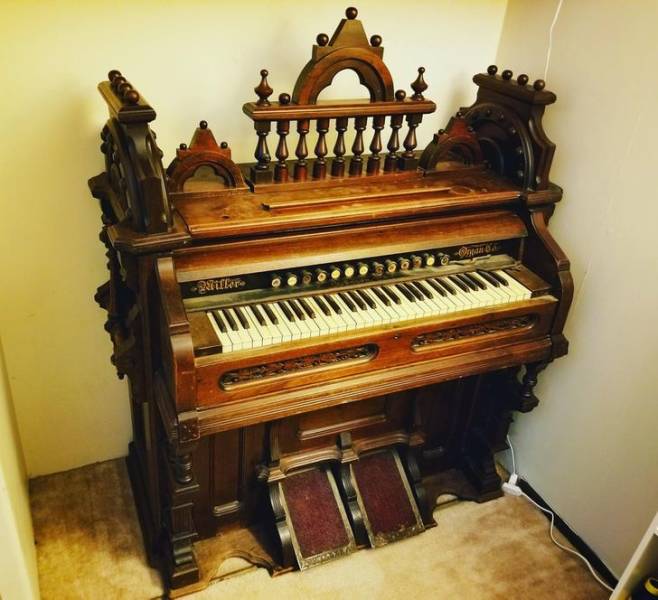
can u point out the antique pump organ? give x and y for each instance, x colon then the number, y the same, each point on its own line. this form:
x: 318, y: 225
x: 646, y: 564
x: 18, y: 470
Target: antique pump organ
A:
x: 320, y: 343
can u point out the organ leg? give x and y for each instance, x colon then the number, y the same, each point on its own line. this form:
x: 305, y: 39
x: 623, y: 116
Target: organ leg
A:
x: 525, y: 396
x: 179, y: 528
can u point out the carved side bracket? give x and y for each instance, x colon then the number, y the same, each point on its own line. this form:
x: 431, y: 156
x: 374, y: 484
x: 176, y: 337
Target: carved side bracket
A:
x: 135, y: 180
x: 456, y: 142
x: 505, y: 123
x: 507, y: 120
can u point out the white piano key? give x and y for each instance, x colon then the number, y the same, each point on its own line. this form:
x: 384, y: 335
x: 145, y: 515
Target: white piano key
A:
x: 236, y: 338
x: 340, y: 319
x: 524, y: 292
x: 380, y: 307
x: 330, y: 324
x: 264, y: 339
x: 224, y: 339
x: 300, y: 321
x: 350, y: 318
x: 288, y: 330
x: 275, y: 330
x: 247, y: 341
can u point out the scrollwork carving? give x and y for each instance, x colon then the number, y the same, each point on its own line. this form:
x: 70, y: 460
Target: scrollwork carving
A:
x: 295, y: 365
x: 476, y: 329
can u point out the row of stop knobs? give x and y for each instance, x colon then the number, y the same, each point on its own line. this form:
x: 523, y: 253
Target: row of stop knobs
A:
x: 360, y: 269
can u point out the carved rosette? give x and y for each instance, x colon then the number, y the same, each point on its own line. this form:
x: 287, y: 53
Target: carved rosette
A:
x: 475, y: 330
x: 295, y: 365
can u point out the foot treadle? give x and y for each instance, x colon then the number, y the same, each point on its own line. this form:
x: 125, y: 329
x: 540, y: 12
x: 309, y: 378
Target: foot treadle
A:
x: 316, y: 519
x: 384, y: 495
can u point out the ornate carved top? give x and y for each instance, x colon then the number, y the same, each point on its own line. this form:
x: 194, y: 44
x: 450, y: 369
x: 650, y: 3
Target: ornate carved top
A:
x: 204, y: 151
x: 348, y: 48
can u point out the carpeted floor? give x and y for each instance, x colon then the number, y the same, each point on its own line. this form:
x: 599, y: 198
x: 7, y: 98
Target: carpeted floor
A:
x: 89, y: 546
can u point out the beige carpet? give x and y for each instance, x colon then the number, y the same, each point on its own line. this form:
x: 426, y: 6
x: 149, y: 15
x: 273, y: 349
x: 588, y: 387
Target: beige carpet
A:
x: 89, y: 546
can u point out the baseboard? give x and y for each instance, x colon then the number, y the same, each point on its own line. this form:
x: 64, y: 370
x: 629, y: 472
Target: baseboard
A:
x: 576, y: 541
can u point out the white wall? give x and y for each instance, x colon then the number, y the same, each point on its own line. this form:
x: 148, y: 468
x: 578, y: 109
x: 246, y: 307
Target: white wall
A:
x: 192, y: 61
x: 18, y: 567
x: 590, y: 448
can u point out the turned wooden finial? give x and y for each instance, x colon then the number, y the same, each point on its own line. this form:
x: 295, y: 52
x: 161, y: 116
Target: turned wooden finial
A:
x: 419, y: 85
x: 522, y: 79
x: 112, y: 74
x: 322, y: 39
x: 263, y: 90
x: 203, y: 124
x: 131, y: 96
x: 284, y: 98
x: 400, y: 95
x: 351, y: 13
x: 492, y: 70
x: 539, y: 85
x: 376, y: 40
x: 507, y: 74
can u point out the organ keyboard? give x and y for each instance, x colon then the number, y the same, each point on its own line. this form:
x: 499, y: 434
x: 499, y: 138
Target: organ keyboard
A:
x: 253, y: 325
x: 346, y: 328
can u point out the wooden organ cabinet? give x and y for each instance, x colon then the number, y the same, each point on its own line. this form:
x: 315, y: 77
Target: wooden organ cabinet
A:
x: 318, y: 344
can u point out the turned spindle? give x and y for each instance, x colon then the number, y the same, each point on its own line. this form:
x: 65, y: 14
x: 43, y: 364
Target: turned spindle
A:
x: 338, y: 163
x: 408, y: 160
x: 301, y: 152
x: 375, y: 145
x: 282, y: 129
x: 320, y: 165
x: 261, y: 172
x: 393, y: 145
x: 356, y: 164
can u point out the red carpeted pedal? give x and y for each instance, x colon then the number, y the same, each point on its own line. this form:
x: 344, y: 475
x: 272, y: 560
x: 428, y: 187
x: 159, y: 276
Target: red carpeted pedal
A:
x: 389, y: 509
x: 316, y: 517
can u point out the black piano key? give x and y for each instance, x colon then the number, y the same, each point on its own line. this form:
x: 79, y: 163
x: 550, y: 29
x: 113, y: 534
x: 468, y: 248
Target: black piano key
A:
x: 392, y: 294
x: 219, y: 320
x: 415, y: 293
x: 323, y: 305
x: 436, y: 286
x: 241, y: 316
x: 425, y: 292
x: 459, y: 283
x: 270, y: 314
x: 348, y: 301
x: 307, y: 308
x: 489, y: 277
x: 421, y: 295
x: 286, y: 311
x: 499, y: 278
x: 259, y: 316
x: 472, y: 286
x: 230, y: 320
x: 357, y: 299
x: 334, y: 305
x: 367, y: 299
x: 382, y: 296
x: 405, y: 292
x: 476, y: 280
x: 446, y: 286
x: 299, y: 313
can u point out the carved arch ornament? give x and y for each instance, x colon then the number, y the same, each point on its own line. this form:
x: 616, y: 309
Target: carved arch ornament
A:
x: 348, y: 48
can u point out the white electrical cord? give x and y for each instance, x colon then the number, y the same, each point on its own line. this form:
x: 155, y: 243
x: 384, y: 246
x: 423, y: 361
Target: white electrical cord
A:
x: 550, y: 38
x: 512, y: 488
